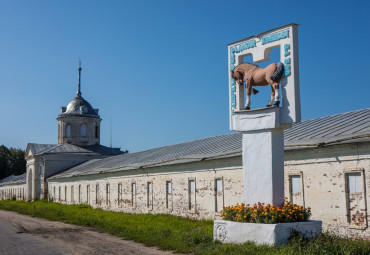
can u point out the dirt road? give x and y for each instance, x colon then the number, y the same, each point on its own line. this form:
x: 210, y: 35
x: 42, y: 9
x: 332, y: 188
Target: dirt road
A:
x: 20, y: 234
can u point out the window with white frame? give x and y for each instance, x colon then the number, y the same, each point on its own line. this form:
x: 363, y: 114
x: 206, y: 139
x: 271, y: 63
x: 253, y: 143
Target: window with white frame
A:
x: 119, y: 193
x: 79, y: 194
x: 97, y: 194
x: 191, y: 195
x: 169, y: 195
x: 107, y: 194
x: 65, y: 193
x: 133, y: 194
x: 354, y: 182
x: 356, y: 204
x: 72, y: 195
x: 88, y: 194
x: 219, y: 194
x: 150, y: 195
x: 295, y: 183
x: 59, y: 194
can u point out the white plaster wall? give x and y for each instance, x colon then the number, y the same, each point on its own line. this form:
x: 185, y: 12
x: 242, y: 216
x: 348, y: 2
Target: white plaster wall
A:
x: 324, y: 186
x: 204, y: 174
x: 322, y: 169
x: 8, y: 191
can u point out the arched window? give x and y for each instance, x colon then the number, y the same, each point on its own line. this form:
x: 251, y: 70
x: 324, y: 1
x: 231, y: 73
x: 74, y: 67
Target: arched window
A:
x: 68, y: 131
x: 83, y: 130
x: 96, y: 131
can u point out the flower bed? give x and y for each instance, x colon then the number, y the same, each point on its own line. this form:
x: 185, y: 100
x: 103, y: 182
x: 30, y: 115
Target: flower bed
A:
x: 268, y: 214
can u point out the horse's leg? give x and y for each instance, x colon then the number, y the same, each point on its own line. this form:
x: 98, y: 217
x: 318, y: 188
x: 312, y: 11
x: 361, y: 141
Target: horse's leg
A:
x: 269, y: 104
x: 248, y: 93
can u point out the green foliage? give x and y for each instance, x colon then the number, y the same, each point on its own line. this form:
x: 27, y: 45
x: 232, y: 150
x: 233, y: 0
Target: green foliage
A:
x: 13, y: 198
x: 182, y: 235
x: 12, y: 162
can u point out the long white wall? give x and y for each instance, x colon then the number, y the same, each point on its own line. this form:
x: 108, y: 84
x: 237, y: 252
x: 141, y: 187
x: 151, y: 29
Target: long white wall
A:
x: 19, y: 191
x: 202, y: 174
x: 321, y: 176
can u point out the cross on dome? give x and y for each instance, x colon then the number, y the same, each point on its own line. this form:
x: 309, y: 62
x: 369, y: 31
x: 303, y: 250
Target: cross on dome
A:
x: 79, y: 79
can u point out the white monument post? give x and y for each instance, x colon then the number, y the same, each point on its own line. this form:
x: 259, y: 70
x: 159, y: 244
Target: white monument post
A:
x: 263, y: 129
x: 263, y: 139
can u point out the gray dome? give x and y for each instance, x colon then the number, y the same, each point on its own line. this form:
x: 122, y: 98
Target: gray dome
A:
x: 79, y: 106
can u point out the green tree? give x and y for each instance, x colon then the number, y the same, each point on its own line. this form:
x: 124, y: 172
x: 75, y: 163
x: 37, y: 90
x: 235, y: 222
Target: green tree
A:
x: 12, y: 162
x: 17, y: 162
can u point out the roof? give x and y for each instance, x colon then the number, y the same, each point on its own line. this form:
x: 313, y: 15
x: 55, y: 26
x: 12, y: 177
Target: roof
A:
x: 38, y: 149
x: 79, y: 107
x: 13, y: 179
x: 335, y: 129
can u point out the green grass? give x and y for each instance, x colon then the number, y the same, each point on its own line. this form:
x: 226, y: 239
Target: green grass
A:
x: 175, y: 233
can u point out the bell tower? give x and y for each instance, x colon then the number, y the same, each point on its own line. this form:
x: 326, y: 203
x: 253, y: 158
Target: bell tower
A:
x: 79, y: 122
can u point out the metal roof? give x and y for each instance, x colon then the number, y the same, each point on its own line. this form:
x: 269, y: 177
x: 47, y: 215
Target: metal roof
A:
x: 335, y: 129
x: 13, y: 179
x: 79, y: 107
x: 38, y: 149
x: 328, y: 130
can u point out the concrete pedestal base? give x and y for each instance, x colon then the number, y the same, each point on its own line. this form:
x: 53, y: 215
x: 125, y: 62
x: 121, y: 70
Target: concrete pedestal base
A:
x: 270, y: 234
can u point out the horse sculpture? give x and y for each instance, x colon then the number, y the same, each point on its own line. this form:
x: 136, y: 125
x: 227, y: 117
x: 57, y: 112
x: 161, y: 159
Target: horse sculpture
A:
x: 254, y: 75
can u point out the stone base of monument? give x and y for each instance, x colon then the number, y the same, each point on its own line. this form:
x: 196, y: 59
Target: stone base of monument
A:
x: 270, y: 234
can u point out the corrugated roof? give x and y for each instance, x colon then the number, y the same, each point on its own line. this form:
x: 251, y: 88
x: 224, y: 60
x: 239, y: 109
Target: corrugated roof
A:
x: 326, y: 130
x: 13, y: 179
x: 335, y: 129
x: 38, y: 149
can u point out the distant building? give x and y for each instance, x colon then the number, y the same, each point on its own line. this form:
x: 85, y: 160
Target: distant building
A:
x: 78, y: 141
x: 327, y: 168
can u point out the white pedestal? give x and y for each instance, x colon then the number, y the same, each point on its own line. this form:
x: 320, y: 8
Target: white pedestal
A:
x: 263, y: 166
x: 270, y: 234
x: 263, y: 155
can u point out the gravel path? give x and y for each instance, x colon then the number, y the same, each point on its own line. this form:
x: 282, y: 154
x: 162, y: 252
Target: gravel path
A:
x: 21, y: 234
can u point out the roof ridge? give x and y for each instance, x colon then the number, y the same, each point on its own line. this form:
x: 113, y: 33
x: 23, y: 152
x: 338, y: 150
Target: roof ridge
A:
x: 336, y: 114
x: 49, y: 149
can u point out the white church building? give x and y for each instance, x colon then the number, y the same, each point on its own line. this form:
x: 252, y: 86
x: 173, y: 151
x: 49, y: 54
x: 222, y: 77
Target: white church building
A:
x: 326, y: 166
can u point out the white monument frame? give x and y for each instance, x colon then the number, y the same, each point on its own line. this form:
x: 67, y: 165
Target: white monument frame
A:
x: 259, y: 46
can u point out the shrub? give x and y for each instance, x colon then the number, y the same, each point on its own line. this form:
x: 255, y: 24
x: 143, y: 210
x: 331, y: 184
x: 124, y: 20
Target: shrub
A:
x: 269, y: 214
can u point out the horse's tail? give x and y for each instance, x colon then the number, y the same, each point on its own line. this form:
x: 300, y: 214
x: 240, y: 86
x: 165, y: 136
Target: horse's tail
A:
x: 278, y: 72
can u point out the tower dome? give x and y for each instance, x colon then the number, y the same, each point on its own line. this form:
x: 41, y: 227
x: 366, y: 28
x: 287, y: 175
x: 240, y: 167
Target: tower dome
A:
x: 78, y: 107
x: 79, y: 122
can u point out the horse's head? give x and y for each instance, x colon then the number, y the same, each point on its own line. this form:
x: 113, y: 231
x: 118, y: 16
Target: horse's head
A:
x: 237, y: 76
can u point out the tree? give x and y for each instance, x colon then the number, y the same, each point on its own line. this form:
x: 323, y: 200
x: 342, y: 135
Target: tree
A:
x: 12, y: 162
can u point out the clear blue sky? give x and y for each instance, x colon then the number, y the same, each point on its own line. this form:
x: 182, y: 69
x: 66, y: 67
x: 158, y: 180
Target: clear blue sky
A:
x: 159, y: 68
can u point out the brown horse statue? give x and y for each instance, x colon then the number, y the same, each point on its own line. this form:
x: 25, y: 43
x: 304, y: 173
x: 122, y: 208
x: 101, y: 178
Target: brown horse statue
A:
x: 254, y: 75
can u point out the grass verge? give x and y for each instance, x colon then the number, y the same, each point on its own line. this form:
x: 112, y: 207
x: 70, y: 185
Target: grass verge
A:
x: 175, y: 233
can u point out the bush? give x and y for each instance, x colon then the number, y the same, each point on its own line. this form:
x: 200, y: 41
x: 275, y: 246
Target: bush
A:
x: 269, y: 214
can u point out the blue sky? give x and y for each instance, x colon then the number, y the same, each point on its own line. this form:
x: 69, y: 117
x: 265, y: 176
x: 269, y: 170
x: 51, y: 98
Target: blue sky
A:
x: 158, y: 69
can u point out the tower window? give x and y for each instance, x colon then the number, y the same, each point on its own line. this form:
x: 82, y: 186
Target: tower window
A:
x: 96, y: 131
x: 68, y: 131
x: 83, y: 130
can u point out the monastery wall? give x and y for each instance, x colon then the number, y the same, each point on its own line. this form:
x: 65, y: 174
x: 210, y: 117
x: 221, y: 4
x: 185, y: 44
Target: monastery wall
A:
x: 183, y: 190
x: 335, y: 183
x: 18, y: 190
